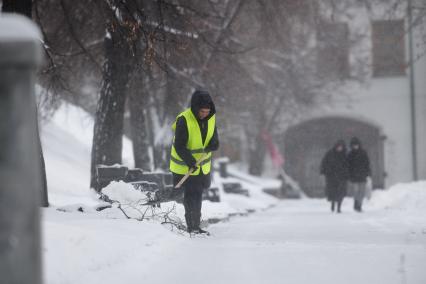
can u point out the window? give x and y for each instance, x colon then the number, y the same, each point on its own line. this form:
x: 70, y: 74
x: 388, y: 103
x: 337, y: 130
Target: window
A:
x: 333, y: 50
x: 388, y: 48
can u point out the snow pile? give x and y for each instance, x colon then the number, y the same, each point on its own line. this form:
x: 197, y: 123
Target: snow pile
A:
x: 131, y: 201
x: 124, y: 193
x: 403, y: 196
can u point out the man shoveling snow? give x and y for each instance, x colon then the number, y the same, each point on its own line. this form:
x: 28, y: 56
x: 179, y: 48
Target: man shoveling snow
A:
x: 190, y: 160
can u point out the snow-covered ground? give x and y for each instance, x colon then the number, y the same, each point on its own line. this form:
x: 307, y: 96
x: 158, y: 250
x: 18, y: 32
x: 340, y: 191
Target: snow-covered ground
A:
x: 294, y: 242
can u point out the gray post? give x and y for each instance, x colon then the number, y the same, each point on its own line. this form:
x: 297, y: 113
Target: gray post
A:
x: 20, y: 179
x: 412, y: 89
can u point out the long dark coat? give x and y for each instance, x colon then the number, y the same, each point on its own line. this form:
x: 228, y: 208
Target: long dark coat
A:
x: 334, y: 167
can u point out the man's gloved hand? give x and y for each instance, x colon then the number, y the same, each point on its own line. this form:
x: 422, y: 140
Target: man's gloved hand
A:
x: 194, y: 168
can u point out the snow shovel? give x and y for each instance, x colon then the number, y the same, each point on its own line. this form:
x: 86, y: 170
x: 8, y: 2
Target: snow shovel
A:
x: 186, y: 176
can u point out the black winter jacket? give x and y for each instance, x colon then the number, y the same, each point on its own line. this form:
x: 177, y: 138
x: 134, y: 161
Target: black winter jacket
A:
x: 359, y: 165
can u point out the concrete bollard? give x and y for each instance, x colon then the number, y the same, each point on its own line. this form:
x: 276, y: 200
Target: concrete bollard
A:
x: 20, y: 179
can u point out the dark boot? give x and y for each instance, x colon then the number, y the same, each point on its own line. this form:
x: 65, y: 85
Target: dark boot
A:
x: 196, y: 219
x: 196, y: 208
x: 359, y: 207
x: 332, y: 206
x: 201, y: 231
x: 188, y: 215
x: 189, y: 225
x: 339, y: 205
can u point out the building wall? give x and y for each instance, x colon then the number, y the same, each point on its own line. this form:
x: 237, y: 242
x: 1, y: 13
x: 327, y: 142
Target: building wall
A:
x: 385, y: 103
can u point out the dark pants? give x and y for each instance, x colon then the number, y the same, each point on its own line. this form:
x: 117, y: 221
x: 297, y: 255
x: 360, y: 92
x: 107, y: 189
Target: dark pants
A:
x: 193, y: 189
x: 358, y: 190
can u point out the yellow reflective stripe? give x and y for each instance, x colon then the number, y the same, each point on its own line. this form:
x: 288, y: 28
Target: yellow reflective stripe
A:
x: 196, y: 151
x: 206, y: 161
x: 177, y: 161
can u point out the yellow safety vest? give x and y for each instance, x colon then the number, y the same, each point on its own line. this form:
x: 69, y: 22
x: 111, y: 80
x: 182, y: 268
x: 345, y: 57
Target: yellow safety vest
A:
x: 194, y: 144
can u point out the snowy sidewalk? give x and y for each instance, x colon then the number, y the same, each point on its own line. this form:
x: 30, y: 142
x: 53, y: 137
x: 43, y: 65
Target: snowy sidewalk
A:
x: 295, y: 242
x: 301, y: 242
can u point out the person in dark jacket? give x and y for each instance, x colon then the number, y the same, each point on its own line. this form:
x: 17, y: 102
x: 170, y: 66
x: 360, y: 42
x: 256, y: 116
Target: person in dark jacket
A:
x: 334, y: 167
x: 359, y: 170
x: 195, y: 135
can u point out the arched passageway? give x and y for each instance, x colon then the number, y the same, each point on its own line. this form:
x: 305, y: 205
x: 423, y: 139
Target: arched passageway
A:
x: 306, y: 143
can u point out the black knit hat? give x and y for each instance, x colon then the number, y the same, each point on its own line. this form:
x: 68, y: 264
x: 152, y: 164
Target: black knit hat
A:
x: 201, y: 99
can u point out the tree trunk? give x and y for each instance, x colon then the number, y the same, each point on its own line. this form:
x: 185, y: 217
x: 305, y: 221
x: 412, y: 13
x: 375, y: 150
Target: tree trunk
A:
x: 44, y: 194
x: 24, y: 7
x: 159, y: 151
x: 138, y: 127
x: 108, y: 129
x: 175, y: 93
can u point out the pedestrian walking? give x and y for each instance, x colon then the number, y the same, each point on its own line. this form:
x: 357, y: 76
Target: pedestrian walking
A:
x: 334, y: 167
x: 359, y: 170
x: 194, y: 139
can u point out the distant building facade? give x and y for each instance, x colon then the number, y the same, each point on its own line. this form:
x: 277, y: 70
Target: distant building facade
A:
x: 377, y: 111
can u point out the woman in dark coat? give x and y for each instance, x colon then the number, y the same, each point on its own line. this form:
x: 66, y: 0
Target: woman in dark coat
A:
x: 334, y: 167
